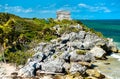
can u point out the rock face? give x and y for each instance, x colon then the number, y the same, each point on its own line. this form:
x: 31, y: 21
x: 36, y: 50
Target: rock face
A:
x: 60, y: 55
x: 97, y: 52
x: 76, y: 67
x: 111, y: 46
x: 95, y: 74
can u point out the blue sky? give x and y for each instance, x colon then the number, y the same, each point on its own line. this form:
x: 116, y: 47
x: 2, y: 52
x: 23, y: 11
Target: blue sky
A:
x: 80, y: 9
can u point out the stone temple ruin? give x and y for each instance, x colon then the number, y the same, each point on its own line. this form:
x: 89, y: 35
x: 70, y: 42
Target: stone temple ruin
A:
x: 63, y: 15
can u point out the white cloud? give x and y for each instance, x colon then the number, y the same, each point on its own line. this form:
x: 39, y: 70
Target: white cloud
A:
x: 83, y: 5
x: 69, y: 8
x: 47, y: 11
x: 17, y: 9
x: 94, y: 8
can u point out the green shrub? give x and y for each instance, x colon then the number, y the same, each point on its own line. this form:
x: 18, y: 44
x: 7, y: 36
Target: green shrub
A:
x: 18, y: 57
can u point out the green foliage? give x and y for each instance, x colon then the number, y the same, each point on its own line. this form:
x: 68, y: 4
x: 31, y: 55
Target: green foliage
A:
x: 18, y: 57
x: 99, y: 34
x: 55, y: 56
x: 81, y: 52
x: 1, y: 58
x: 67, y: 29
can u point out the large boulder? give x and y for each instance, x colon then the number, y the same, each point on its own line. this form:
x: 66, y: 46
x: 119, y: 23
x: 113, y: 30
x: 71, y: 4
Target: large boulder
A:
x: 97, y: 52
x: 74, y: 56
x: 28, y: 70
x: 88, y: 45
x: 87, y: 57
x: 91, y: 40
x: 76, y: 67
x: 55, y: 66
x: 111, y: 46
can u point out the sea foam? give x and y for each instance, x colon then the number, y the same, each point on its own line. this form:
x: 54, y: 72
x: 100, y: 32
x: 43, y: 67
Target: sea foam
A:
x: 116, y: 56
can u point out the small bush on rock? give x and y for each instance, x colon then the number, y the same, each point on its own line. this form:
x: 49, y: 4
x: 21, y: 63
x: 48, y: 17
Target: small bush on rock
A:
x: 81, y: 52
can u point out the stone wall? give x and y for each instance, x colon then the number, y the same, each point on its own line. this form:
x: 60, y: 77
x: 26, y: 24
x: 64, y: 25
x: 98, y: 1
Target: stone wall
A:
x: 63, y: 15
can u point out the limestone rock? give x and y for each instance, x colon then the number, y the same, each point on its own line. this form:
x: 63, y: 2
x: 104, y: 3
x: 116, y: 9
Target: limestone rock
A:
x: 97, y: 52
x: 76, y: 67
x: 111, y: 46
x: 66, y: 66
x: 94, y: 73
x: 28, y: 70
x: 85, y: 64
x: 88, y: 57
x: 75, y: 44
x: 53, y: 66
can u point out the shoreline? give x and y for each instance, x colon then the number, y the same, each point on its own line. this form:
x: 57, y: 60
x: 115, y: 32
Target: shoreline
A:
x: 111, y: 70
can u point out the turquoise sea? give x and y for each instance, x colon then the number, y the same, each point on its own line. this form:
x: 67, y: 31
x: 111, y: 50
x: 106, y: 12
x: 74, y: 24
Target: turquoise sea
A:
x: 109, y: 28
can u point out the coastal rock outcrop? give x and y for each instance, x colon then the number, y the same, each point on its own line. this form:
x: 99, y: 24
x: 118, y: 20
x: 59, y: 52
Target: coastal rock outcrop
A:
x: 63, y: 54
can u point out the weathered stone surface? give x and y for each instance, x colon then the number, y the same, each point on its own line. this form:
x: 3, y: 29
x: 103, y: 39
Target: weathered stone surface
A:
x: 97, y: 52
x: 66, y: 56
x: 39, y: 56
x: 28, y: 70
x: 94, y: 73
x: 76, y: 67
x: 53, y: 66
x: 75, y: 44
x: 85, y: 64
x: 81, y: 35
x: 66, y: 66
x: 111, y: 46
x: 88, y: 45
x: 65, y: 37
x: 91, y: 40
x: 88, y: 57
